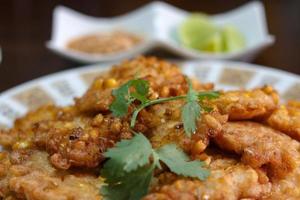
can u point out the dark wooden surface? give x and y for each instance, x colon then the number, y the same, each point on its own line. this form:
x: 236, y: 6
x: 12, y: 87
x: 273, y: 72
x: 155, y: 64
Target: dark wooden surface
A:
x: 25, y: 26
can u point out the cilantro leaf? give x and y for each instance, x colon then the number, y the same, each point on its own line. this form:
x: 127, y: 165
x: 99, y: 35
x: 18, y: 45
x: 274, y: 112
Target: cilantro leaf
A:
x: 133, y: 185
x: 129, y: 170
x: 139, y: 97
x: 179, y: 163
x: 141, y: 86
x: 119, y: 106
x: 208, y: 95
x: 112, y: 170
x: 191, y: 111
x: 128, y: 155
x: 123, y: 97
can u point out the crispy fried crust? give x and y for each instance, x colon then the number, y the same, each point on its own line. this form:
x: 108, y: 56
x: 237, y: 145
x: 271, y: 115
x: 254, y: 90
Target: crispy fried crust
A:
x: 242, y: 105
x: 56, y: 152
x: 287, y: 119
x: 165, y: 80
x: 172, y: 131
x: 287, y: 188
x: 78, y: 135
x: 27, y: 174
x: 260, y: 146
x: 22, y: 130
x: 80, y: 141
x: 66, y: 135
x: 229, y: 180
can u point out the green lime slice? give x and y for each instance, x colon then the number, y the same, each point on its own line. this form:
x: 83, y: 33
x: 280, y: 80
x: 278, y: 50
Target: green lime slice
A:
x: 233, y: 39
x: 214, y: 44
x: 195, y: 30
x: 199, y: 32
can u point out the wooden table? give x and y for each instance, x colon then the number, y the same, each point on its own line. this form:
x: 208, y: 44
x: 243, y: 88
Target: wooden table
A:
x: 25, y: 26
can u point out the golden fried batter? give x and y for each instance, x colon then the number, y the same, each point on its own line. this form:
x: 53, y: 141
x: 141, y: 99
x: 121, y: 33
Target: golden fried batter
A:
x: 287, y: 188
x: 27, y: 174
x: 65, y: 134
x: 78, y: 135
x: 165, y: 80
x: 57, y: 152
x: 171, y: 130
x: 229, y: 180
x: 287, y: 119
x: 80, y: 140
x: 241, y: 105
x: 260, y: 146
x: 22, y: 130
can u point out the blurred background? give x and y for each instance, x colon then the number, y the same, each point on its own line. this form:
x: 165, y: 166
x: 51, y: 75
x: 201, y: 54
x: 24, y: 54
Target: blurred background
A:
x: 25, y: 26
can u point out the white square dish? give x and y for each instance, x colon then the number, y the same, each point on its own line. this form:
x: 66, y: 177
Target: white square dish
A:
x: 157, y: 23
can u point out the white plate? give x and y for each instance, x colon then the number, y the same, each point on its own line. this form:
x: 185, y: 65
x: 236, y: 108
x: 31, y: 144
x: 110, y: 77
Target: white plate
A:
x: 157, y: 22
x: 60, y: 88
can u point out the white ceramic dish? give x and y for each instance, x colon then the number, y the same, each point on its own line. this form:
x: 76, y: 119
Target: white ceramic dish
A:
x: 62, y: 87
x: 157, y: 22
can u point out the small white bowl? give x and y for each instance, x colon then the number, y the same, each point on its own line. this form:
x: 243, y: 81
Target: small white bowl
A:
x: 157, y: 23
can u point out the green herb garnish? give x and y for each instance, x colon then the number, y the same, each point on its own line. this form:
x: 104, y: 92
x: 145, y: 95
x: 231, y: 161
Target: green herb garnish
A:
x: 131, y: 163
x: 179, y: 163
x: 190, y: 111
x: 123, y: 97
x: 137, y: 90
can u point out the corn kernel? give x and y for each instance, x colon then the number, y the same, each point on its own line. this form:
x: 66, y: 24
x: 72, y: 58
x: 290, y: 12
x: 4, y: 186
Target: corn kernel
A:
x: 199, y: 147
x: 268, y: 89
x: 207, y: 161
x: 85, y: 137
x: 116, y: 127
x: 110, y: 83
x: 165, y: 91
x: 94, y: 134
x: 98, y: 120
x: 152, y: 94
x: 98, y: 84
x: 2, y: 155
x: 21, y: 145
x: 179, y: 185
x: 202, y: 156
x: 79, y: 145
x: 247, y: 95
x: 69, y: 125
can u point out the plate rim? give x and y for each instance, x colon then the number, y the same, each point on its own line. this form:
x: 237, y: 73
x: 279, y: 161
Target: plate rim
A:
x: 108, y: 65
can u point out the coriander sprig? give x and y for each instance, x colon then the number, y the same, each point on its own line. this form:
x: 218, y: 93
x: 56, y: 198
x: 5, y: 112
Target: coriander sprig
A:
x: 131, y: 163
x: 191, y: 111
x: 123, y: 96
x: 138, y: 89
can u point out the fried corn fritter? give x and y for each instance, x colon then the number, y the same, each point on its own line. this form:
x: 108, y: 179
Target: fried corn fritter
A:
x: 260, y: 146
x: 286, y: 118
x: 247, y: 140
x: 229, y: 180
x: 243, y: 105
x: 28, y: 174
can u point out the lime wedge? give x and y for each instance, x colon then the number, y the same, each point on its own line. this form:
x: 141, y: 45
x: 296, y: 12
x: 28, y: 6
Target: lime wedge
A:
x: 214, y: 43
x: 199, y: 32
x: 195, y: 30
x: 233, y: 39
